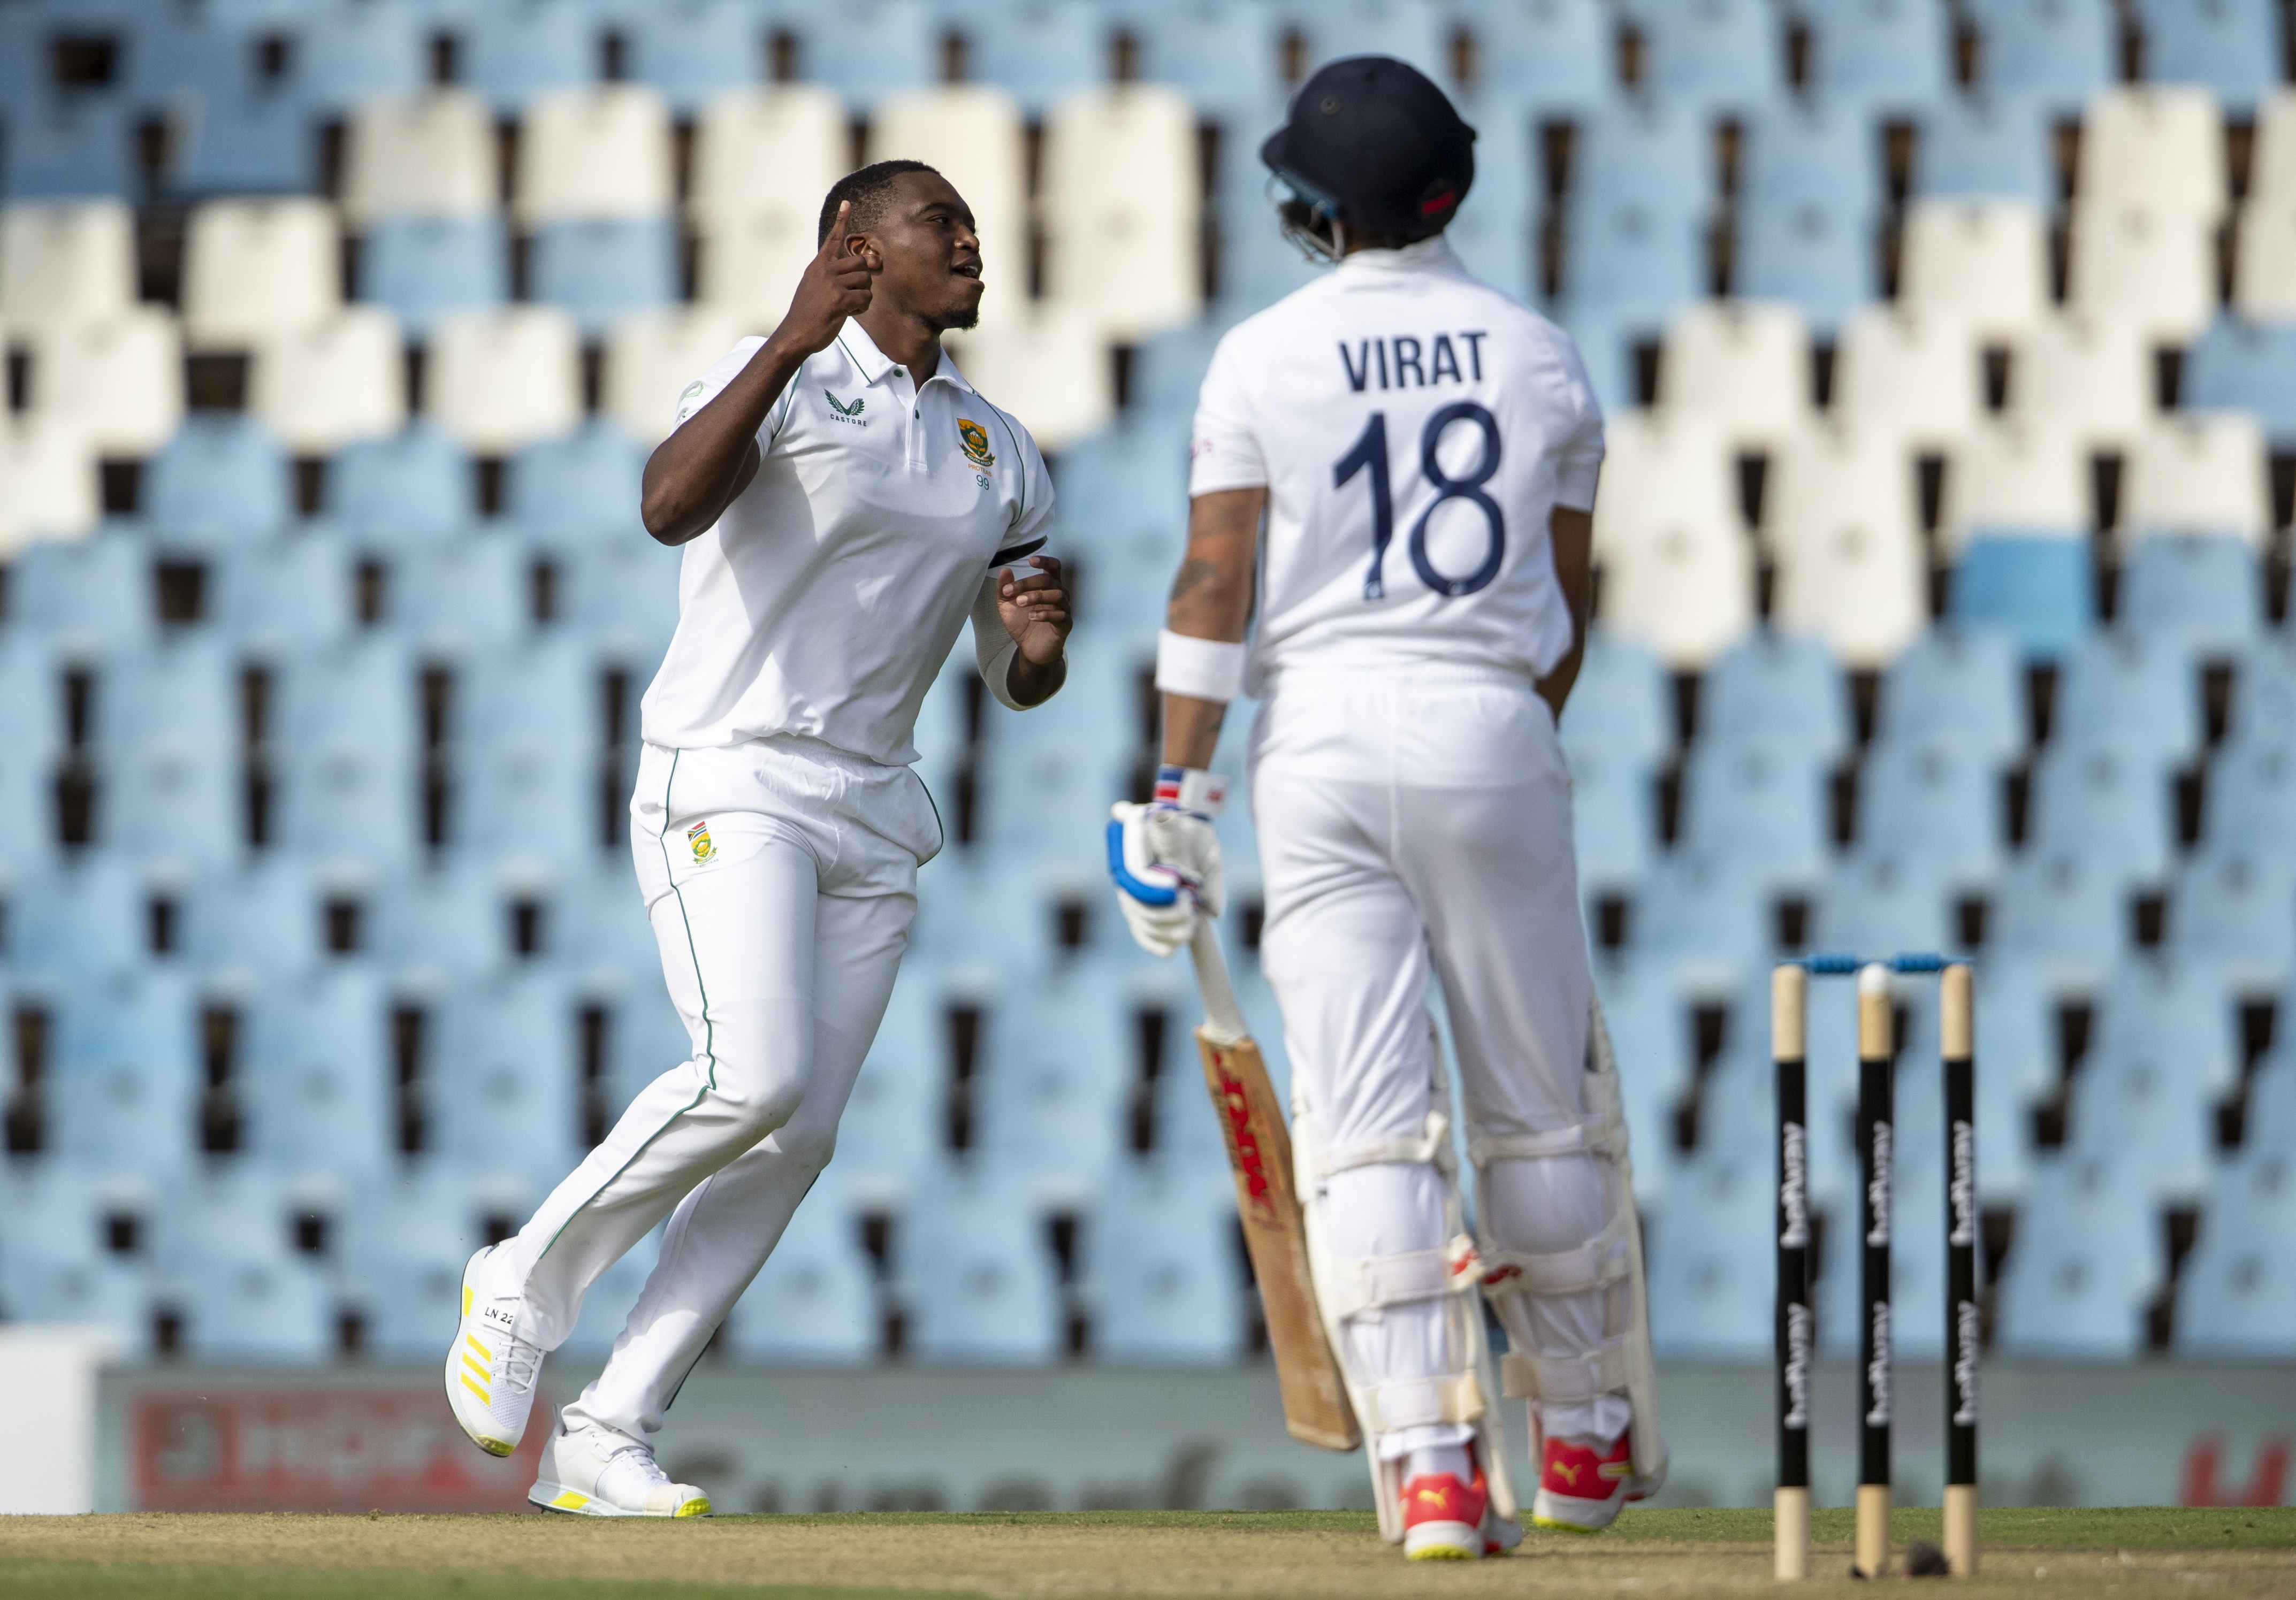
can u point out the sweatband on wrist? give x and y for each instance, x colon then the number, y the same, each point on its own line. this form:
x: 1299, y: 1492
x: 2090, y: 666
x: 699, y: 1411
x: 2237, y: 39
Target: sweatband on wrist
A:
x: 1203, y: 669
x: 1191, y: 789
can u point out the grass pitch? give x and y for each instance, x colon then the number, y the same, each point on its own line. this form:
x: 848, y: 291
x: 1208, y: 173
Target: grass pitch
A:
x: 1331, y: 1555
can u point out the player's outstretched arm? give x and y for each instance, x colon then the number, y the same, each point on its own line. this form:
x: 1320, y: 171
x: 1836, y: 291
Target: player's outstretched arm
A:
x: 694, y: 474
x: 1211, y: 598
x: 1572, y: 535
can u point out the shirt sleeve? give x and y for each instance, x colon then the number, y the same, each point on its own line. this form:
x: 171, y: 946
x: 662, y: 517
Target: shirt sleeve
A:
x: 1224, y: 449
x: 1032, y: 518
x: 993, y: 647
x: 1578, y: 455
x: 706, y: 388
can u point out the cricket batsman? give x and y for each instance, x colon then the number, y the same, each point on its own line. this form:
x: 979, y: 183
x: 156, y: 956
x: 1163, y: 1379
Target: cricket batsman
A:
x: 845, y: 499
x: 1424, y: 453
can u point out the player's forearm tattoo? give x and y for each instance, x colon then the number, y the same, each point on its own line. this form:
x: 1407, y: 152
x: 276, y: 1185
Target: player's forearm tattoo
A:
x: 1194, y: 574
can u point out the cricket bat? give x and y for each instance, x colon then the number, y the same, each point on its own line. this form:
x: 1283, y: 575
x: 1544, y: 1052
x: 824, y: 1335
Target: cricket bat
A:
x: 1316, y: 1409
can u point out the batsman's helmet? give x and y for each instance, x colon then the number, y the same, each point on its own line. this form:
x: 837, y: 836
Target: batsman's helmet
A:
x: 1370, y: 145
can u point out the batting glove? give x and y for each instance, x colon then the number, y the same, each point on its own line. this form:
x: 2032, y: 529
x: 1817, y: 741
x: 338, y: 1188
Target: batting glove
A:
x: 1165, y: 859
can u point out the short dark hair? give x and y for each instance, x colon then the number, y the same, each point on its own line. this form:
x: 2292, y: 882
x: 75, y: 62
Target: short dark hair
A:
x: 867, y: 189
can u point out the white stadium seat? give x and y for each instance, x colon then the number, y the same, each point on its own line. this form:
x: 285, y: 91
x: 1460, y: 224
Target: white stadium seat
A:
x: 65, y: 260
x: 2091, y: 374
x: 1844, y: 525
x: 2156, y: 269
x: 501, y: 380
x: 1122, y: 204
x: 1745, y: 363
x: 48, y: 482
x: 768, y: 152
x: 2271, y: 159
x: 1048, y: 368
x: 651, y: 357
x: 253, y: 267
x: 1685, y: 588
x: 2148, y: 148
x: 2264, y: 261
x: 1909, y: 372
x: 320, y: 387
x: 750, y: 265
x: 1986, y: 261
x: 430, y: 156
x: 972, y: 134
x: 120, y: 382
x: 593, y: 153
x: 1662, y: 468
x: 2013, y: 475
x: 2199, y: 473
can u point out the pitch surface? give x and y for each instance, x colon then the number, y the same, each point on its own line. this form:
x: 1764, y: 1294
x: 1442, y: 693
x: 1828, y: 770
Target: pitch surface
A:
x: 1331, y: 1555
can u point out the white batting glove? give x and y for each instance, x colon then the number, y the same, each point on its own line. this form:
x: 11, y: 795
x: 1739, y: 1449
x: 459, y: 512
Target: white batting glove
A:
x: 1165, y: 859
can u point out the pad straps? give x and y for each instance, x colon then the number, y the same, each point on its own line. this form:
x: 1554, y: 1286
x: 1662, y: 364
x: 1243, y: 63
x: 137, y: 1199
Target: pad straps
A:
x: 1415, y: 1402
x: 1368, y: 1282
x: 1526, y: 1375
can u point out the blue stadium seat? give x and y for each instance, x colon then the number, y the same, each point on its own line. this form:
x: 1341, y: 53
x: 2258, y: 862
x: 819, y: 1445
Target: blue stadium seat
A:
x: 1818, y: 255
x: 1256, y: 265
x: 2134, y: 692
x: 897, y: 1121
x: 293, y: 593
x: 2180, y: 1013
x: 1606, y: 346
x: 1622, y: 703
x: 815, y: 1301
x: 1559, y: 55
x: 439, y: 924
x: 530, y: 790
x: 124, y: 1096
x: 266, y: 921
x: 416, y: 488
x: 320, y: 1078
x: 2106, y: 805
x: 1052, y: 1084
x: 1649, y: 1025
x: 2236, y: 1295
x: 2233, y: 47
x: 2239, y: 365
x: 1334, y: 28
x: 55, y: 1265
x: 1828, y: 157
x: 547, y: 690
x: 975, y: 1266
x: 1783, y: 688
x: 2041, y: 591
x: 1705, y: 916
x: 471, y: 594
x: 1715, y: 55
x: 168, y: 737
x: 2088, y: 1254
x: 1036, y: 51
x: 1737, y: 1106
x: 1224, y: 56
x: 264, y: 145
x: 1986, y: 147
x: 177, y: 55
x: 2264, y: 697
x: 645, y: 1036
x: 1760, y: 801
x: 1631, y: 262
x: 694, y: 50
x: 227, y: 1261
x: 1656, y: 156
x: 579, y: 488
x: 1930, y: 801
x: 1162, y: 1269
x: 87, y: 914
x: 222, y: 480
x: 85, y: 595
x: 2141, y: 1113
x: 2061, y: 51
x: 403, y: 1239
x: 1881, y: 903
x: 2231, y: 913
x: 31, y: 738
x: 1711, y: 1259
x: 513, y: 52
x: 600, y: 270
x: 357, y: 51
x: 2250, y: 802
x: 1893, y: 56
x: 1956, y: 685
x: 2194, y: 593
x: 1492, y: 233
x: 1614, y: 819
x: 2067, y: 911
x: 75, y: 150
x: 504, y: 1084
x: 424, y: 268
x: 348, y: 732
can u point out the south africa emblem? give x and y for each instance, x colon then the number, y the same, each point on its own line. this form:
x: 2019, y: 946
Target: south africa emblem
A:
x: 975, y: 439
x: 698, y: 837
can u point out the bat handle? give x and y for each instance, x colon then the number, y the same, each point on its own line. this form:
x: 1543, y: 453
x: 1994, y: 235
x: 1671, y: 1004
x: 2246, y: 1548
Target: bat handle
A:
x: 1224, y: 1021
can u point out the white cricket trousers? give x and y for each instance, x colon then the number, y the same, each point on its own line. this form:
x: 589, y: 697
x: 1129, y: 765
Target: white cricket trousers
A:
x: 1411, y: 820
x: 780, y: 880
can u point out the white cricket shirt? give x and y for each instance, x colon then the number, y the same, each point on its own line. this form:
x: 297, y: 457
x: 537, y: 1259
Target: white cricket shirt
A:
x: 826, y: 598
x: 1414, y: 429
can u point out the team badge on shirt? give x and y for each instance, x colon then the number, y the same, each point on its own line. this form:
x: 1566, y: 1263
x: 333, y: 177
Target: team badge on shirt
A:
x: 975, y: 439
x: 698, y: 837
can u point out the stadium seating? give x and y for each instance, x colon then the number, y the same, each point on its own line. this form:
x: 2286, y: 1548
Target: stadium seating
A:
x: 1843, y: 522
x: 812, y: 1302
x: 2092, y: 375
x: 1162, y: 1271
x: 1985, y: 147
x: 2088, y: 1255
x: 2060, y: 52
x: 976, y: 1266
x: 117, y: 380
x: 1710, y: 1264
x: 2228, y: 45
x: 421, y: 268
x: 427, y: 156
x: 2236, y: 1296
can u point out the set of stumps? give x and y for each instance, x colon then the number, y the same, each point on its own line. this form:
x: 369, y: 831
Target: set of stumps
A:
x: 1796, y: 1322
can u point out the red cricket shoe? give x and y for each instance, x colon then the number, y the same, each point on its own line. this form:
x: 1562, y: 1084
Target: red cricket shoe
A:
x: 1583, y: 1483
x: 1443, y: 1518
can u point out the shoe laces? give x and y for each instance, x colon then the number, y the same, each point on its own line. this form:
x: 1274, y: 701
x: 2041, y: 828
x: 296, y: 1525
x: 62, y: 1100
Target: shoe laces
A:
x: 519, y: 1361
x: 639, y: 1459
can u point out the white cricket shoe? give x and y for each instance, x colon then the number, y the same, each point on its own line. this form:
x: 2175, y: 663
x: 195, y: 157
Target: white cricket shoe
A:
x: 490, y: 1371
x: 593, y: 1473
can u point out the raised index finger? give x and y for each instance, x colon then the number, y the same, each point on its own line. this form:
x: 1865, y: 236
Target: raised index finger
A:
x: 833, y: 246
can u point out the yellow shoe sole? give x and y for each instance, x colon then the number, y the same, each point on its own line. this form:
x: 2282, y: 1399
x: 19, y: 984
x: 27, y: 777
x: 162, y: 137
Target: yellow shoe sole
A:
x: 692, y: 1508
x: 1439, y: 1553
x: 1553, y: 1525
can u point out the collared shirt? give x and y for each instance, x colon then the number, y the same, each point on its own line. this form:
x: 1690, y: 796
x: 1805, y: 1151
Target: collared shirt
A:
x: 826, y: 598
x: 1414, y: 429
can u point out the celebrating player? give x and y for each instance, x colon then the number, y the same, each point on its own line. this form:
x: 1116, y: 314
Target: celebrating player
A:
x: 845, y: 498
x: 1425, y: 452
